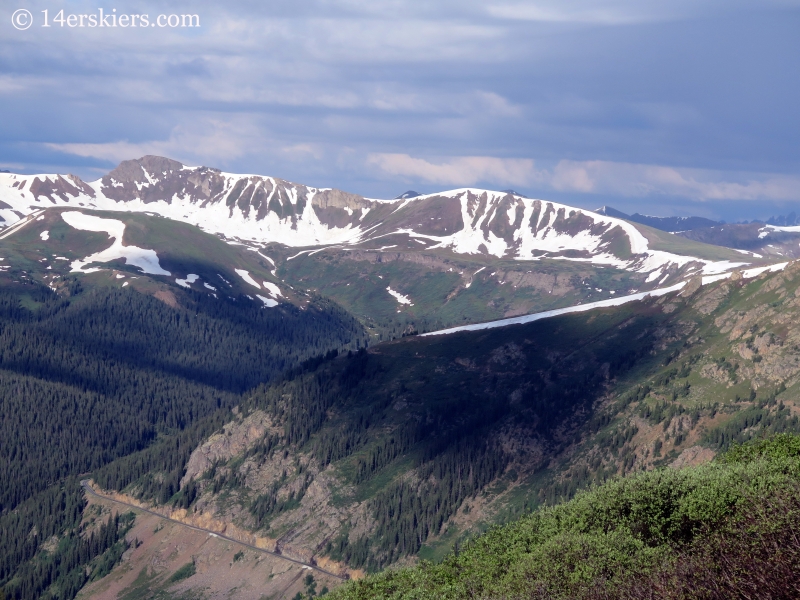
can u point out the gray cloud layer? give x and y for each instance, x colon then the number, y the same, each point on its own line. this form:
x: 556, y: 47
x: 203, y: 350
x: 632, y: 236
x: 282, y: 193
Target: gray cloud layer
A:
x: 661, y: 106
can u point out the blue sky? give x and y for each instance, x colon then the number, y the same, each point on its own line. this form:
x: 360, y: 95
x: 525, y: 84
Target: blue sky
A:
x: 671, y: 107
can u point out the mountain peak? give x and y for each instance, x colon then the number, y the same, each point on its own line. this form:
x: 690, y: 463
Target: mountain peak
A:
x: 789, y: 220
x: 611, y: 212
x: 408, y: 194
x: 138, y: 169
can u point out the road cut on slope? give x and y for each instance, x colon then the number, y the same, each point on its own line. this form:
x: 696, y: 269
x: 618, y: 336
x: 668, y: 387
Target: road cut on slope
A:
x: 89, y: 490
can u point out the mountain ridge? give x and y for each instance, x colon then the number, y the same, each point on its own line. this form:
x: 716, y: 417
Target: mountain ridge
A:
x: 669, y: 224
x: 264, y: 209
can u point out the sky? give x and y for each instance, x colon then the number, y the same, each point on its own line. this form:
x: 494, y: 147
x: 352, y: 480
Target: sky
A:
x: 675, y: 107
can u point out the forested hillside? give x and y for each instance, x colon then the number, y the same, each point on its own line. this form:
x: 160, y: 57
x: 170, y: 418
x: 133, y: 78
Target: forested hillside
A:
x: 89, y: 376
x: 373, y: 417
x: 369, y: 457
x: 411, y: 447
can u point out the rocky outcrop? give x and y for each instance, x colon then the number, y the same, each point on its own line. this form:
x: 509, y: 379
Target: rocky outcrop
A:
x: 236, y: 437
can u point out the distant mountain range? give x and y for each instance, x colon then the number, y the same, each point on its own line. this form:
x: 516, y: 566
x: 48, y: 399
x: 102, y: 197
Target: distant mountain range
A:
x: 680, y: 224
x: 415, y: 263
x: 777, y: 238
x: 671, y: 224
x: 789, y: 220
x: 267, y: 209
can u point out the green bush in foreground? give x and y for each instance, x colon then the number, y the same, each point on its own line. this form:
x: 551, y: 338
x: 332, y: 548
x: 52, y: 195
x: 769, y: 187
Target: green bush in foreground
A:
x: 722, y: 530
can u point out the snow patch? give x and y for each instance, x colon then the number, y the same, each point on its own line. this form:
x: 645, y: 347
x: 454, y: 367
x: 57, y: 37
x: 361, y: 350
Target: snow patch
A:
x: 747, y: 274
x: 246, y: 276
x: 399, y: 297
x: 712, y: 268
x: 747, y: 252
x: 791, y: 229
x: 559, y: 311
x: 190, y: 278
x: 144, y: 259
x: 273, y: 289
x: 268, y: 302
x: 45, y: 235
x: 653, y: 276
x: 299, y: 254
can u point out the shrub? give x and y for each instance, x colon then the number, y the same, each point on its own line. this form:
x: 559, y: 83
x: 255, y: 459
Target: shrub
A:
x: 728, y: 529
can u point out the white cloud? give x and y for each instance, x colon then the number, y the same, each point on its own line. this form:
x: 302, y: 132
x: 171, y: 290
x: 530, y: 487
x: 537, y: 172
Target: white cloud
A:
x: 10, y: 84
x: 593, y: 177
x: 210, y: 141
x: 562, y: 14
x: 495, y: 104
x: 613, y: 12
x: 465, y: 170
x: 636, y: 180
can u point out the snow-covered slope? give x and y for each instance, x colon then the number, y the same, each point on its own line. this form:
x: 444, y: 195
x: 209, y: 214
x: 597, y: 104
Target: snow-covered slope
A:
x: 243, y: 206
x: 504, y: 225
x: 267, y: 209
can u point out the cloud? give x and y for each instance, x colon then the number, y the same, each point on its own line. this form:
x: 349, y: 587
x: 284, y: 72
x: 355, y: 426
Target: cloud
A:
x: 10, y: 84
x: 184, y: 145
x: 222, y: 144
x: 368, y: 96
x: 461, y: 171
x: 593, y: 177
x: 642, y: 181
x: 617, y: 12
x: 565, y: 14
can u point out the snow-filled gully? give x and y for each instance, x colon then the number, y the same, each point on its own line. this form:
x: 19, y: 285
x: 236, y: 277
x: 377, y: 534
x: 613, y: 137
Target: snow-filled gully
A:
x: 747, y: 274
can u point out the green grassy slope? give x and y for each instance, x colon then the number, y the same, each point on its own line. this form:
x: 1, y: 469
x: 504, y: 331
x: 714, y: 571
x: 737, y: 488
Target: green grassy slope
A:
x: 668, y: 242
x: 448, y: 289
x: 445, y: 289
x: 181, y: 249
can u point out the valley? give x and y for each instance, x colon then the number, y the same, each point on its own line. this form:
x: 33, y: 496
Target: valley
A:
x: 348, y: 383
x: 485, y: 425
